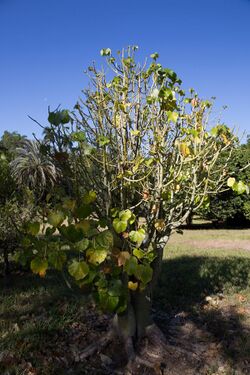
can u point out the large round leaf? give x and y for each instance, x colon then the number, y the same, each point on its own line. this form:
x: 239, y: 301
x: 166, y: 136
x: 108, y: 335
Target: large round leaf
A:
x: 78, y: 270
x: 56, y: 218
x: 97, y: 256
x: 119, y: 225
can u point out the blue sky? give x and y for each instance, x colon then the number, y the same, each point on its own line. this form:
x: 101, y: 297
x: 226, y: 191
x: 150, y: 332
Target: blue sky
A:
x: 46, y: 45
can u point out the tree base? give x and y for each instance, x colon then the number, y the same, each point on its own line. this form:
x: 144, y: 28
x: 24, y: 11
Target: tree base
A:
x: 152, y: 355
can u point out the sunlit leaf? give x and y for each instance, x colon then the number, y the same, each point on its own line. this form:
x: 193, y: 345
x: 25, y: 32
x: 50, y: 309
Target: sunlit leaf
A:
x: 137, y: 236
x: 96, y: 255
x: 231, y: 181
x: 132, y: 286
x: 119, y: 225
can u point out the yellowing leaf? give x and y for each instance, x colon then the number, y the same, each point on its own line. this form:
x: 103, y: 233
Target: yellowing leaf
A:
x: 97, y: 256
x: 231, y: 181
x: 137, y: 236
x: 56, y: 218
x: 89, y: 197
x: 135, y: 133
x: 132, y: 286
x: 159, y: 224
x: 78, y: 270
x: 84, y: 225
x: 123, y: 256
x: 39, y: 266
x: 172, y: 116
x: 184, y: 149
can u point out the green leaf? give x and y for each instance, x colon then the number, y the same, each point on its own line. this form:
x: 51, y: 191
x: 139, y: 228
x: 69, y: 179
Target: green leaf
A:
x: 107, y: 302
x: 114, y: 212
x: 78, y: 270
x: 105, y: 52
x: 240, y: 187
x: 103, y: 141
x: 115, y: 288
x: 83, y: 211
x: 172, y: 116
x: 33, y: 228
x: 137, y: 236
x: 125, y: 215
x: 89, y: 197
x: 39, y: 266
x: 82, y: 245
x: 154, y: 56
x: 138, y: 253
x: 132, y: 219
x: 144, y: 273
x: 78, y: 136
x: 105, y: 239
x: 71, y: 233
x: 97, y: 256
x: 54, y: 118
x: 65, y: 117
x: 131, y: 266
x: 119, y: 225
x: 57, y: 260
x: 59, y: 117
x: 56, y: 218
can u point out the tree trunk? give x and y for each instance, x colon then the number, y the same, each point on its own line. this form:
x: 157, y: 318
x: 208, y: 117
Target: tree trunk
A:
x: 132, y: 325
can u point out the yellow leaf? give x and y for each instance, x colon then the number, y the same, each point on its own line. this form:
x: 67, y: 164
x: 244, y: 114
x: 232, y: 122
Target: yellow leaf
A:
x: 184, y: 149
x: 159, y: 224
x: 132, y: 286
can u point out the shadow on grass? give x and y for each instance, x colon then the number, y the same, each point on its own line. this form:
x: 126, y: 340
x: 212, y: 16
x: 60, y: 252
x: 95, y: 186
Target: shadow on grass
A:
x: 185, y: 283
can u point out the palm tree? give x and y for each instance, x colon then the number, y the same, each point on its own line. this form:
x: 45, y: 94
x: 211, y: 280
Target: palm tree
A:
x: 33, y: 169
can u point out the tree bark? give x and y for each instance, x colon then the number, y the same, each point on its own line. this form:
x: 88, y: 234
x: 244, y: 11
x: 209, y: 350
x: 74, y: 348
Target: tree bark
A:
x: 133, y: 323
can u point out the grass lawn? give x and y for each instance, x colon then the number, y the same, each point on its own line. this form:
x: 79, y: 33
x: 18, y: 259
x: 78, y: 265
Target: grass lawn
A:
x: 202, y: 304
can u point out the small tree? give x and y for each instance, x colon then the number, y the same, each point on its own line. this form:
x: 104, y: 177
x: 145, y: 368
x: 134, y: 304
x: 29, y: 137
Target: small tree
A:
x: 147, y: 160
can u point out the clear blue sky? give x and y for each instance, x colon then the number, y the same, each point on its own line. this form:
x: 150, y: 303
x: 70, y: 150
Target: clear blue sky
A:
x: 46, y: 44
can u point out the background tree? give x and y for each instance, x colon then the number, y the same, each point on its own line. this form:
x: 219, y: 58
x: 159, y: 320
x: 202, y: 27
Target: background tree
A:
x: 12, y: 210
x: 147, y: 160
x: 33, y: 169
x: 229, y: 206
